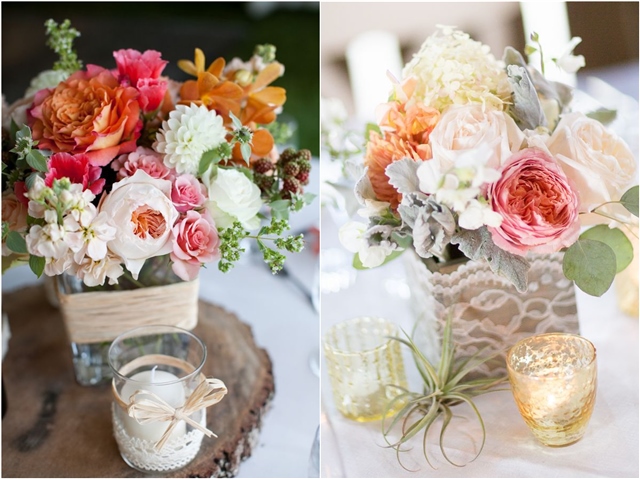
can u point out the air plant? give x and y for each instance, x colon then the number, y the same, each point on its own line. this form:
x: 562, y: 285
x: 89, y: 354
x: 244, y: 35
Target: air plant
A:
x: 444, y: 388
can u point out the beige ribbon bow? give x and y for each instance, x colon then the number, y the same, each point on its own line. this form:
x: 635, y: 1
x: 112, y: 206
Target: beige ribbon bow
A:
x: 152, y: 408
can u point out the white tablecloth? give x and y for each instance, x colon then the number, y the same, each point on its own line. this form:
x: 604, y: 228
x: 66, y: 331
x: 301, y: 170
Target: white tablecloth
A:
x: 609, y: 447
x: 286, y: 325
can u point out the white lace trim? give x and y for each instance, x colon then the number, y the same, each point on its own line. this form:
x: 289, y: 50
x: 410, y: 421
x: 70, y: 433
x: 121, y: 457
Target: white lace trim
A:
x: 487, y: 309
x: 139, y: 453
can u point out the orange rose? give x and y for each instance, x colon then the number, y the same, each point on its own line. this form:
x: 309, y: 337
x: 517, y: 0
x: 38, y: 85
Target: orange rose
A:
x: 87, y: 113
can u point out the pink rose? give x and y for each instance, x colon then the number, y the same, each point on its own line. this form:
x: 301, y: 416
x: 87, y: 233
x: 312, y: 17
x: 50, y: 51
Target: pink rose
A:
x: 144, y: 159
x: 188, y: 193
x: 134, y: 66
x: 195, y: 241
x: 77, y: 169
x: 152, y: 93
x: 538, y: 206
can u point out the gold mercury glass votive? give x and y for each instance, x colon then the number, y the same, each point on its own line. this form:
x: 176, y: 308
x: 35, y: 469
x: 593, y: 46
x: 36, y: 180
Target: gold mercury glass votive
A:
x: 362, y: 360
x: 553, y: 380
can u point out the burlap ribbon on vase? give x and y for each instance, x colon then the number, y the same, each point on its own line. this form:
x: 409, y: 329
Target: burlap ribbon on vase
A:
x: 95, y: 317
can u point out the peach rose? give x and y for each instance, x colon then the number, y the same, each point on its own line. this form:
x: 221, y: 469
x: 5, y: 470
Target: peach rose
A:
x: 465, y: 128
x: 195, y: 241
x: 87, y: 113
x: 539, y: 208
x: 14, y: 212
x: 596, y: 160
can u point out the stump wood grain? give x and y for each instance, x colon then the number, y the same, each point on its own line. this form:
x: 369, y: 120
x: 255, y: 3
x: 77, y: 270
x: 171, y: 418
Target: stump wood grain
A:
x: 54, y: 427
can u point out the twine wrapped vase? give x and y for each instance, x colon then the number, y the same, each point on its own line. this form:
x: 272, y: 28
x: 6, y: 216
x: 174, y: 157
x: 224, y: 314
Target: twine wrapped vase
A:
x: 488, y: 312
x: 94, y: 318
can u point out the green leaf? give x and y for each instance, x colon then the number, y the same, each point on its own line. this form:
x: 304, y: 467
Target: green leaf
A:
x: 5, y: 230
x: 535, y: 37
x: 530, y: 49
x: 30, y: 180
x: 245, y: 149
x: 36, y: 263
x: 616, y: 240
x: 16, y: 242
x: 591, y: 264
x: 208, y: 158
x: 308, y: 198
x: 37, y: 161
x: 603, y: 115
x: 236, y: 122
x: 280, y: 209
x: 630, y: 200
x: 23, y: 132
x: 357, y: 264
x: 13, y: 130
x: 371, y: 127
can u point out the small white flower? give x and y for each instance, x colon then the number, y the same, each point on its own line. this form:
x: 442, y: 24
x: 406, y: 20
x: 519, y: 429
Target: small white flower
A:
x: 478, y: 214
x: 90, y: 235
x: 189, y: 132
x: 54, y: 267
x: 47, y: 241
x: 351, y: 236
x: 569, y: 62
x: 94, y: 273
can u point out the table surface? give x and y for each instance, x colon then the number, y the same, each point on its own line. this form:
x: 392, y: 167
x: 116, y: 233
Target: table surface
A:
x: 286, y: 325
x: 609, y: 447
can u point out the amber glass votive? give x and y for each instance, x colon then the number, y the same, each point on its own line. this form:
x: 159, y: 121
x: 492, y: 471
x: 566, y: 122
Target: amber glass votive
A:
x: 362, y: 362
x: 553, y: 380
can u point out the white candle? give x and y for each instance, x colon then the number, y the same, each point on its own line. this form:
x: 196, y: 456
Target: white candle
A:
x: 154, y: 382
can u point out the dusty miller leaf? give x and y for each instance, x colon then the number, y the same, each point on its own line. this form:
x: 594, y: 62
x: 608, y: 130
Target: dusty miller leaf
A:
x: 403, y: 175
x: 478, y: 246
x: 363, y: 189
x: 526, y: 109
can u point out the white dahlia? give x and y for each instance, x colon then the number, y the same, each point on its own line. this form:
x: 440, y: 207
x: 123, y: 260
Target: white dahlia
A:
x: 189, y: 132
x: 453, y: 69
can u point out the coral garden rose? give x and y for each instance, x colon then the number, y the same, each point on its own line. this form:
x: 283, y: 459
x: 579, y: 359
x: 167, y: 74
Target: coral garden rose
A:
x: 596, y: 160
x: 87, y: 113
x: 465, y: 128
x: 195, y: 242
x: 538, y: 206
x: 77, y: 169
x: 142, y: 209
x: 134, y: 65
x: 14, y: 213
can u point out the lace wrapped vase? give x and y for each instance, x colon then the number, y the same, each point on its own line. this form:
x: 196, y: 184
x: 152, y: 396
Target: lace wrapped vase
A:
x: 487, y: 309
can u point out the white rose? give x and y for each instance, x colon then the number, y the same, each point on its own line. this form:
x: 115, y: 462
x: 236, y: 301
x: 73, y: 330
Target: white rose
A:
x: 232, y: 197
x: 141, y: 208
x: 598, y: 162
x: 464, y: 128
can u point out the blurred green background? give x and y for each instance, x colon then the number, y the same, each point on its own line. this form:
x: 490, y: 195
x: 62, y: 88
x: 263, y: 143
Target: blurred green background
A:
x: 175, y: 29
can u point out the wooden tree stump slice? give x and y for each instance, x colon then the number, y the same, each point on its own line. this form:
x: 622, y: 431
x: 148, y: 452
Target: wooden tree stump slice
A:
x: 54, y: 427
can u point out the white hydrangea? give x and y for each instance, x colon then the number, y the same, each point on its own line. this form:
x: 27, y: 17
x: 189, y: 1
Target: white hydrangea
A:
x: 453, y: 69
x: 46, y: 79
x: 189, y: 132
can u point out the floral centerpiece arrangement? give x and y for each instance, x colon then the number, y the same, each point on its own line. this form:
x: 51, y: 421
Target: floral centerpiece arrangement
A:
x: 121, y: 178
x: 485, y: 158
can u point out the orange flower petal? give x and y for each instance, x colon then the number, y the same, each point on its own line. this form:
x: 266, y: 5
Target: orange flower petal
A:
x: 229, y: 90
x: 199, y: 60
x: 188, y: 66
x: 217, y: 67
x: 206, y: 83
x: 262, y: 142
x: 272, y: 95
x: 269, y: 74
x: 189, y: 91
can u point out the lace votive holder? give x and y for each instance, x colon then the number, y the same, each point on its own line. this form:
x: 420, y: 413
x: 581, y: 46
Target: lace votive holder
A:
x: 553, y: 379
x: 160, y: 397
x: 363, y: 361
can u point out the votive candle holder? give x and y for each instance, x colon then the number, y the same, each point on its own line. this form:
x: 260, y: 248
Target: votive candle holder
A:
x: 553, y: 379
x: 363, y: 361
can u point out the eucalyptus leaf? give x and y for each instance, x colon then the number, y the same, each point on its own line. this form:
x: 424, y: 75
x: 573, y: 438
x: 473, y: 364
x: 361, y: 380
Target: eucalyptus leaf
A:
x: 37, y: 160
x: 591, y: 264
x: 478, y: 246
x: 16, y: 243
x: 208, y: 158
x: 403, y: 175
x: 37, y: 263
x: 603, y: 115
x: 616, y: 240
x: 630, y: 200
x: 245, y: 149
